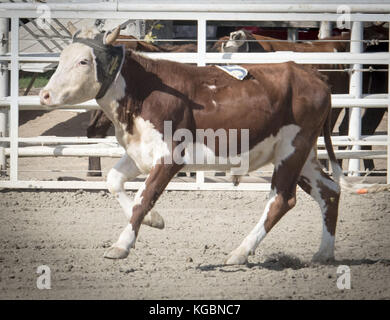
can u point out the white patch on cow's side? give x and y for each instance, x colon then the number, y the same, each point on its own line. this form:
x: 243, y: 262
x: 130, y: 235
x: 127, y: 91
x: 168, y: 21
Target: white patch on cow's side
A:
x: 274, y: 148
x: 212, y: 87
x: 214, y: 103
x: 145, y: 145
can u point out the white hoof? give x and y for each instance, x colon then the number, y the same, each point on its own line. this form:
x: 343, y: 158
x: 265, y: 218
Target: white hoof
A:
x: 116, y: 253
x: 154, y: 220
x: 237, y: 256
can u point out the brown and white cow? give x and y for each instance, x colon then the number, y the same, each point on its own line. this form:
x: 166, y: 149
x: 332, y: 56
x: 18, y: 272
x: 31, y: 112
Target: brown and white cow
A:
x: 283, y: 106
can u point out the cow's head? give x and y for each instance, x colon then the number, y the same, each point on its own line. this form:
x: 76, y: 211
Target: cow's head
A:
x: 242, y: 41
x: 86, y: 69
x: 237, y: 42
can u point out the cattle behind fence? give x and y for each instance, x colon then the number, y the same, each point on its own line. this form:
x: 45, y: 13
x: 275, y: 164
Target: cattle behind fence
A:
x: 14, y: 147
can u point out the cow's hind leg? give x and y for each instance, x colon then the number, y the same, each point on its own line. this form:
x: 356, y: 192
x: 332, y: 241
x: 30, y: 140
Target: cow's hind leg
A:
x: 123, y: 171
x: 282, y: 197
x: 326, y: 192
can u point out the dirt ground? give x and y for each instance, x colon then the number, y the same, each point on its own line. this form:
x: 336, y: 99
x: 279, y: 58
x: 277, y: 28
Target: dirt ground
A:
x: 69, y: 232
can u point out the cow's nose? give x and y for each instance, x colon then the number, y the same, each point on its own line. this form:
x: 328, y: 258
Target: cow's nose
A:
x: 44, y: 96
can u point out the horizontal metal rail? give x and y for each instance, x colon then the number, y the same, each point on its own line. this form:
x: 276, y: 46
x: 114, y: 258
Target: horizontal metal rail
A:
x: 338, y: 101
x: 118, y: 152
x: 378, y: 140
x: 242, y: 58
x: 189, y: 16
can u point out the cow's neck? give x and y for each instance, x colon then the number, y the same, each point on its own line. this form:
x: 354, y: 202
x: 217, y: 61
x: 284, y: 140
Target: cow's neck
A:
x: 110, y: 101
x: 144, y: 75
x: 140, y: 76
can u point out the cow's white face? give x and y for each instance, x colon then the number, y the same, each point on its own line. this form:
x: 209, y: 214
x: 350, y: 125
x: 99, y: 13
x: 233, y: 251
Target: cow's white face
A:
x: 75, y: 80
x: 236, y: 43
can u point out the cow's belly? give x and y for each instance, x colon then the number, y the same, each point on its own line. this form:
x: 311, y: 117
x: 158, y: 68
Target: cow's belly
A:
x: 259, y: 156
x: 274, y: 148
x: 147, y: 147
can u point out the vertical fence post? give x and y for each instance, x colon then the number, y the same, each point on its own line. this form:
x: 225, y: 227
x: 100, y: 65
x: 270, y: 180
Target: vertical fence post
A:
x: 202, y: 36
x: 14, y: 114
x: 355, y: 89
x: 4, y: 90
x: 325, y: 29
x: 388, y: 120
x: 292, y: 34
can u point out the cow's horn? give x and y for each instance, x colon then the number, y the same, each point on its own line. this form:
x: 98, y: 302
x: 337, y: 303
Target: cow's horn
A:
x: 72, y: 29
x: 111, y: 37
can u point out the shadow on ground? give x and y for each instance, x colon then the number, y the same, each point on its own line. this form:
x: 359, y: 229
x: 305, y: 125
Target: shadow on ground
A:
x: 281, y: 261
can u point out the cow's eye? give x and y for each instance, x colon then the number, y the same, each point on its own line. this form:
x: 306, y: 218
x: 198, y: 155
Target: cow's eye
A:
x: 83, y: 62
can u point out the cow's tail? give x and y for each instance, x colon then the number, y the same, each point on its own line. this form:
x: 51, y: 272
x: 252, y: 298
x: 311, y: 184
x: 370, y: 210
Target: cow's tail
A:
x: 338, y: 175
x: 338, y: 172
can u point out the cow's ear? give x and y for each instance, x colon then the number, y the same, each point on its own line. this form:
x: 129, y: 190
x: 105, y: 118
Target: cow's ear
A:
x: 110, y: 37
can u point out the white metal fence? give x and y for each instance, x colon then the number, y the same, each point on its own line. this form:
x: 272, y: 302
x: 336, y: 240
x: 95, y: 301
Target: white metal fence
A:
x: 14, y: 147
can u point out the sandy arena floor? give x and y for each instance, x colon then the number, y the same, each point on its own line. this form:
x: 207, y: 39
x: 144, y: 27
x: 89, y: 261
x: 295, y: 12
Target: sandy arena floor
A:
x: 69, y: 232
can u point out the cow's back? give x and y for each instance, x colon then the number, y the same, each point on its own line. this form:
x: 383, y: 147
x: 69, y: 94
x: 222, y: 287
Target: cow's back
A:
x: 272, y: 96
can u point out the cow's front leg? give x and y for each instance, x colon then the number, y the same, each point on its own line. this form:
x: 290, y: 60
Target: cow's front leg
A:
x: 144, y: 201
x: 123, y: 171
